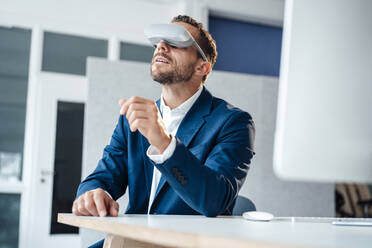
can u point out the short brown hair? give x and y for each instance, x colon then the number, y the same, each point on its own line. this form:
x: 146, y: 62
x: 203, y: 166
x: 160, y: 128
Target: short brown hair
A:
x: 204, y: 39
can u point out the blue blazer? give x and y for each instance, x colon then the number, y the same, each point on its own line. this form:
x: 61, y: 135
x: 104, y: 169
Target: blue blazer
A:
x: 203, y: 176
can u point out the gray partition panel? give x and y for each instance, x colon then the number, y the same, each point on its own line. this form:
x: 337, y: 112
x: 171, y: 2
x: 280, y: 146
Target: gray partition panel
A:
x: 109, y: 81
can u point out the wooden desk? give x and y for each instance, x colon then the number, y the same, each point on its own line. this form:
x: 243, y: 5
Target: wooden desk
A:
x: 199, y: 231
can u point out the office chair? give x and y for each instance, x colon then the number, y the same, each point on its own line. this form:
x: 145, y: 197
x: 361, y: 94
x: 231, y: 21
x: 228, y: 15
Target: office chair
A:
x: 353, y: 200
x: 242, y: 205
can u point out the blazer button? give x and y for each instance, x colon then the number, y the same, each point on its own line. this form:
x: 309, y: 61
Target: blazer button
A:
x: 175, y: 171
x: 182, y: 180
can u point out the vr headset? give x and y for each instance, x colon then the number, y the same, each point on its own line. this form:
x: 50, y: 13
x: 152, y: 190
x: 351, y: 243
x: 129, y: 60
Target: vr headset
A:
x: 172, y: 34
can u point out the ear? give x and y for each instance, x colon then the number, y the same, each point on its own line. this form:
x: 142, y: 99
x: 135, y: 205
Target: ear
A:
x: 203, y: 68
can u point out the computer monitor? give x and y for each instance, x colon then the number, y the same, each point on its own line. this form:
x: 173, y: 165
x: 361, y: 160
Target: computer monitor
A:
x: 324, y: 118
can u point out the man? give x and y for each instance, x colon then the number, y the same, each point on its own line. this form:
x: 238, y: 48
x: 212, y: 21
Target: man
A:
x: 189, y: 153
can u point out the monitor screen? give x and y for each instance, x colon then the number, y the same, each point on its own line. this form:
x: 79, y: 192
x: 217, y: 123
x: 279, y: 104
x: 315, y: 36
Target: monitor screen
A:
x: 324, y: 118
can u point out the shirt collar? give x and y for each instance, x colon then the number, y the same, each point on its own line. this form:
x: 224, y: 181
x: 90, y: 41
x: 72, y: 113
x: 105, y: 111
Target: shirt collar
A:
x: 184, y: 107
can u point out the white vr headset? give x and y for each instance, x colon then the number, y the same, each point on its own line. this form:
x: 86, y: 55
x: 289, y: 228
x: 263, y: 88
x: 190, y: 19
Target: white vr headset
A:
x: 172, y: 34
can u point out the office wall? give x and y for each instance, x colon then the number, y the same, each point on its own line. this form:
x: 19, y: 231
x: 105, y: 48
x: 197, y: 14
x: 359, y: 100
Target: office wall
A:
x: 125, y: 19
x: 120, y: 18
x: 110, y: 81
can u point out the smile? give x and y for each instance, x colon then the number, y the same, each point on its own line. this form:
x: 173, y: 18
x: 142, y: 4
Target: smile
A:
x: 161, y: 60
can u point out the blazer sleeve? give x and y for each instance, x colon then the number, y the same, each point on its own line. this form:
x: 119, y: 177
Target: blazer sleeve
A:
x: 211, y: 187
x: 111, y: 171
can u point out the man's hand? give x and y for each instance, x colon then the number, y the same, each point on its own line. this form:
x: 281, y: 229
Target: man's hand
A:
x: 143, y: 115
x: 95, y: 202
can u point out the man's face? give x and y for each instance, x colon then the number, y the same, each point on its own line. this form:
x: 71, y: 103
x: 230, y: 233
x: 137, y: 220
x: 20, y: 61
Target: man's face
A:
x: 173, y: 65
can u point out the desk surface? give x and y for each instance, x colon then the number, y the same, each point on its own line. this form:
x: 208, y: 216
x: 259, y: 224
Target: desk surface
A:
x: 199, y: 231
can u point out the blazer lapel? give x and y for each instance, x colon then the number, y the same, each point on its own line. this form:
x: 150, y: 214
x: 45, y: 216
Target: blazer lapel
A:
x: 189, y: 126
x: 194, y: 119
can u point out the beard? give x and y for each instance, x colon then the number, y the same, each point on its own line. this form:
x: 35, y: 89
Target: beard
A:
x: 175, y: 74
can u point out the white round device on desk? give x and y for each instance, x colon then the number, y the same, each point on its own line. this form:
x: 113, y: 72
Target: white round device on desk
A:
x: 258, y: 216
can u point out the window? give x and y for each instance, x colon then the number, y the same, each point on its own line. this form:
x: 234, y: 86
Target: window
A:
x: 134, y: 52
x: 67, y: 53
x: 246, y: 47
x: 14, y: 60
x: 14, y: 63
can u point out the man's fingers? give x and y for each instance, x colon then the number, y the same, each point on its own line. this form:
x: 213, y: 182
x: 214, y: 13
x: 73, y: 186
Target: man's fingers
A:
x: 78, y: 207
x: 114, y: 208
x: 137, y: 99
x: 81, y: 207
x: 137, y: 114
x: 122, y: 110
x: 121, y: 102
x: 140, y: 125
x: 100, y: 204
x: 134, y: 107
x: 126, y: 104
x: 95, y: 202
x: 137, y: 107
x: 134, y: 99
x: 89, y: 204
x: 75, y: 210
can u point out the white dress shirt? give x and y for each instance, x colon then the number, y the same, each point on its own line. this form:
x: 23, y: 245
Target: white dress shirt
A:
x: 172, y: 119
